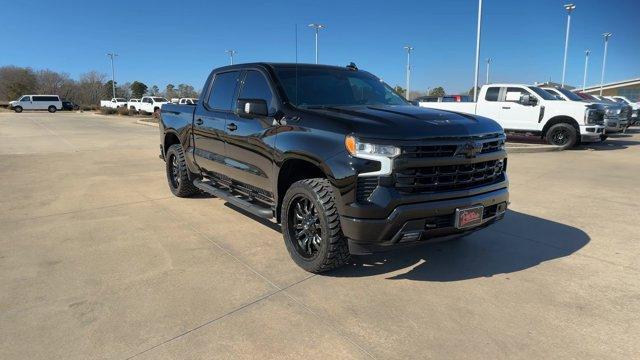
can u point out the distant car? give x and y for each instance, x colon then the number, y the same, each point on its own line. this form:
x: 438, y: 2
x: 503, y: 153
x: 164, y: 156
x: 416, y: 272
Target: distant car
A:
x: 446, y: 98
x: 114, y: 103
x: 50, y: 103
x: 635, y: 107
x: 188, y: 101
x: 615, y: 116
x: 69, y: 105
x: 151, y: 104
x: 133, y: 104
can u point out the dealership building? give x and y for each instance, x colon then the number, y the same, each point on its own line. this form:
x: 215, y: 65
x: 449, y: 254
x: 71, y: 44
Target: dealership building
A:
x: 628, y: 88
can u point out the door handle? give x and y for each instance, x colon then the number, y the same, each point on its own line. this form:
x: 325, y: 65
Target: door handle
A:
x: 199, y: 122
x: 506, y: 107
x: 232, y: 127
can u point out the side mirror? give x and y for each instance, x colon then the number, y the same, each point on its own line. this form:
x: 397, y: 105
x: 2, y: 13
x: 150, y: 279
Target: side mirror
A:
x: 252, y: 107
x: 528, y: 100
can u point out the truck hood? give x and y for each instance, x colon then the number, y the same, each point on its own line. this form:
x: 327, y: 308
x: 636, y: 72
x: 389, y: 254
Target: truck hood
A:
x: 407, y: 122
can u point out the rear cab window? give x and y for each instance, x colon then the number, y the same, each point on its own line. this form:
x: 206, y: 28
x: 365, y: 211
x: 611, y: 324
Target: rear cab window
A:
x: 492, y: 94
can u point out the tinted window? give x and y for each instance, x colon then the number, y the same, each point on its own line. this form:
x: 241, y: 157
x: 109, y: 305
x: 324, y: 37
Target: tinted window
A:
x: 160, y: 99
x: 256, y: 87
x: 543, y: 94
x: 46, y: 98
x: 223, y: 90
x: 316, y: 86
x: 492, y: 94
x: 570, y: 95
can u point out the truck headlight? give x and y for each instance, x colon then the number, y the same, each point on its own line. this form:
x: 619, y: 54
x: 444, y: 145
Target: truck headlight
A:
x: 381, y: 153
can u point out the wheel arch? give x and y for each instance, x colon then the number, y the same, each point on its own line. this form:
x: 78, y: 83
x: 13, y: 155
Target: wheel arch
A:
x: 558, y: 120
x: 294, y: 168
x: 170, y: 138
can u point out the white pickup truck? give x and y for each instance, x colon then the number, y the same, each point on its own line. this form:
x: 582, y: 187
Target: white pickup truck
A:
x: 151, y: 104
x: 133, y: 104
x: 528, y: 109
x: 114, y: 103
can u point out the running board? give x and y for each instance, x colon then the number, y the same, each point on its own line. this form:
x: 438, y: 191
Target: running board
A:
x: 229, y: 197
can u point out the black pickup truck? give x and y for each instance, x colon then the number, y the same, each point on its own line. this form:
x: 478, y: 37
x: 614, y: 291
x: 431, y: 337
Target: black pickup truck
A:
x: 341, y: 161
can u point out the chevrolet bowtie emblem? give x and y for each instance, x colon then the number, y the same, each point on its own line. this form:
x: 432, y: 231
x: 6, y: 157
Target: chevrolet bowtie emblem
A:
x: 470, y: 149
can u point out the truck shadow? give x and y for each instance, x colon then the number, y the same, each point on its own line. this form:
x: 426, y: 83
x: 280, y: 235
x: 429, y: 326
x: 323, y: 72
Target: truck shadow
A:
x: 518, y: 242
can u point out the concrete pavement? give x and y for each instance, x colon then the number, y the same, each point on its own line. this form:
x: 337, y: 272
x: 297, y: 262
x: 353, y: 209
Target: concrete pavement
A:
x: 99, y: 260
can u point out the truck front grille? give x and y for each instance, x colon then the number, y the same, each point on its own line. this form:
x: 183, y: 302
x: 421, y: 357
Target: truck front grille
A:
x: 449, y: 177
x: 490, y: 143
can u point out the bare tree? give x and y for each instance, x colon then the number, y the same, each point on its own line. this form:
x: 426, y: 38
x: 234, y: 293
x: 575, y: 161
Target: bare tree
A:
x: 51, y: 82
x: 90, y: 86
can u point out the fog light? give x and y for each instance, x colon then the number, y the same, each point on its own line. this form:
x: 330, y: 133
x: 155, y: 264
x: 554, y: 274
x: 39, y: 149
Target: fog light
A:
x: 501, y: 208
x: 410, y: 236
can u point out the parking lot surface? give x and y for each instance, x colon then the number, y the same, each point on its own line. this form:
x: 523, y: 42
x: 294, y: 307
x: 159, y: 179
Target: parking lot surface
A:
x: 99, y: 260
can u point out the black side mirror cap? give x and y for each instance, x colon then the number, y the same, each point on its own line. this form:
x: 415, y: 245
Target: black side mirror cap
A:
x: 528, y: 100
x: 252, y: 107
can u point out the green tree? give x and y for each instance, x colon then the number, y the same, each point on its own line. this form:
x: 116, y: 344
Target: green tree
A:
x: 170, y: 92
x: 400, y: 90
x: 187, y: 91
x: 154, y: 90
x: 437, y: 91
x: 138, y: 89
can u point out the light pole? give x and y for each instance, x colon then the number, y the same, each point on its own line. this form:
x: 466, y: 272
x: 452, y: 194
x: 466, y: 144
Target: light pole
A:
x: 231, y: 54
x: 604, y: 59
x: 475, y: 83
x: 111, y: 55
x: 317, y: 28
x: 586, y: 64
x: 488, y: 64
x: 569, y: 8
x: 408, y: 48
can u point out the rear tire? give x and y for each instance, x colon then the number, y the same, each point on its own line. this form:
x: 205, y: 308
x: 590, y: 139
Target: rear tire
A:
x: 52, y: 109
x: 178, y: 173
x: 562, y: 135
x: 311, y: 226
x: 17, y: 109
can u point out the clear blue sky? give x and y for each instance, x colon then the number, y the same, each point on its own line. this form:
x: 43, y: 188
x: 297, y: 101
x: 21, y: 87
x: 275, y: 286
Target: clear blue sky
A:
x: 162, y: 42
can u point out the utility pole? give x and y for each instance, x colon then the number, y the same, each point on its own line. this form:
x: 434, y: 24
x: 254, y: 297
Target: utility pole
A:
x: 231, y: 54
x: 408, y: 48
x: 488, y: 64
x: 569, y: 8
x: 317, y: 28
x: 112, y: 55
x: 604, y: 59
x: 586, y: 64
x: 477, y: 68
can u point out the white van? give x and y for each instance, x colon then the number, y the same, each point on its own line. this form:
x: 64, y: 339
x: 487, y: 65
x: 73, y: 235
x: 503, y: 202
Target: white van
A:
x: 51, y: 103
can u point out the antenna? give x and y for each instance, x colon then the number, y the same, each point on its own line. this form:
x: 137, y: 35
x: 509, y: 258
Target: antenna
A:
x: 296, y: 28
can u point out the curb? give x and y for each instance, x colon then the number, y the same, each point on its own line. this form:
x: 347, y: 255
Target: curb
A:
x: 526, y: 148
x: 147, y: 123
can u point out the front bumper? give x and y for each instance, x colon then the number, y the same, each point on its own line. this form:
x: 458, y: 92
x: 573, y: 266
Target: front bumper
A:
x: 411, y: 224
x: 590, y: 133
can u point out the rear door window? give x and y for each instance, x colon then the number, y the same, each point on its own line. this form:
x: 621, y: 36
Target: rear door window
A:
x: 492, y: 94
x: 223, y: 90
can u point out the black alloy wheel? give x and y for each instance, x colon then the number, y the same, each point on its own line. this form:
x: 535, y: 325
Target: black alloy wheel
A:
x: 306, y: 229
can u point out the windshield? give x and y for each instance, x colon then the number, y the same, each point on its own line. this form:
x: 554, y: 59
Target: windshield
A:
x: 570, y: 95
x: 542, y: 93
x: 335, y: 87
x: 160, y: 99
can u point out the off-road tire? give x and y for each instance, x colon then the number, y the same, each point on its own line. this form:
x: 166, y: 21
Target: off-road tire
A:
x: 18, y: 109
x: 333, y: 250
x: 562, y: 135
x: 183, y: 187
x: 52, y: 109
x: 604, y: 137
